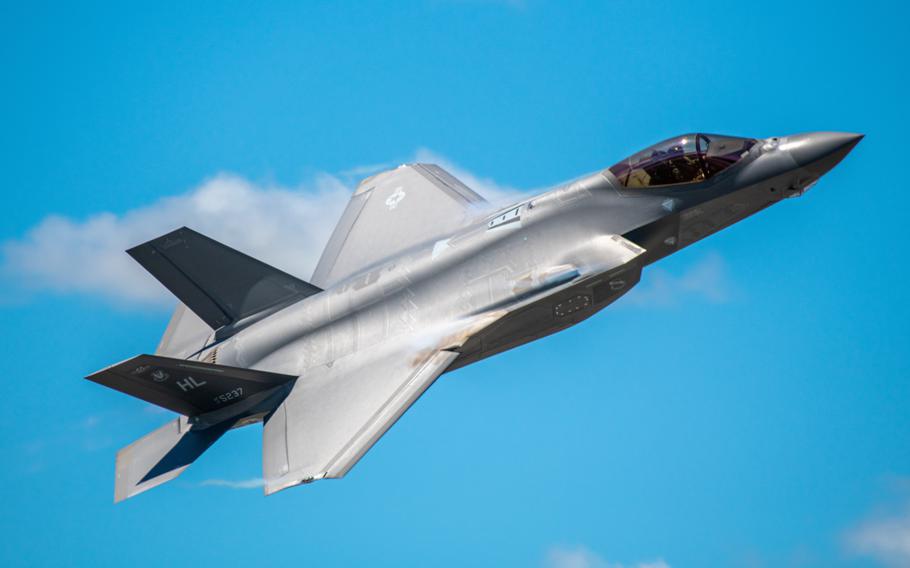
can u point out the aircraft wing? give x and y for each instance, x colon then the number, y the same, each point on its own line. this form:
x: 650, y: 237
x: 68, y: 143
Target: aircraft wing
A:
x: 392, y: 211
x: 336, y: 413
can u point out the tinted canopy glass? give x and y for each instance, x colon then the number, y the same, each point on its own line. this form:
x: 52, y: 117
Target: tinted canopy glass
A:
x: 690, y: 158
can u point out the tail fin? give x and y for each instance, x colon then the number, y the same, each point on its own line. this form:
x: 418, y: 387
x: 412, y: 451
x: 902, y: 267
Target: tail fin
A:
x: 161, y: 456
x: 211, y: 398
x: 202, y: 391
x: 222, y: 289
x: 219, y: 284
x: 185, y: 334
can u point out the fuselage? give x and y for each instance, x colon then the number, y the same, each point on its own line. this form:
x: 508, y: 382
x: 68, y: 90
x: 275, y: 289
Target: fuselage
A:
x: 416, y: 281
x: 534, y: 267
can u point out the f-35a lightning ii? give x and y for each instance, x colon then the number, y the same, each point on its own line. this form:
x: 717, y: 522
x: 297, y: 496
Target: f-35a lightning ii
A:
x: 419, y: 278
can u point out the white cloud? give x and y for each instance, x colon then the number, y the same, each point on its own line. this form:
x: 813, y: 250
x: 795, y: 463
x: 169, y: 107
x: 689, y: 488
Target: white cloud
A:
x: 357, y: 173
x: 286, y: 227
x: 705, y: 280
x: 494, y: 192
x: 884, y: 537
x: 283, y: 227
x: 581, y: 557
x: 242, y: 484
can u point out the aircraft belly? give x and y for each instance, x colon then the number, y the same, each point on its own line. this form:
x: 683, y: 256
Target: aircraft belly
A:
x: 550, y: 314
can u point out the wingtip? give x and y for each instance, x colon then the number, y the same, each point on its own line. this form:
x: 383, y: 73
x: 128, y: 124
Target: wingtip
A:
x: 183, y: 228
x: 274, y: 486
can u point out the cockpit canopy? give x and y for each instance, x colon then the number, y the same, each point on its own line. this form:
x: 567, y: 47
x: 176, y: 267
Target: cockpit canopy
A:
x: 690, y: 158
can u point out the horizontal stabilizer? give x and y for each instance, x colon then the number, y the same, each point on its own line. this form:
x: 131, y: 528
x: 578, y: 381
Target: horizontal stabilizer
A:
x: 161, y: 456
x: 219, y: 284
x: 191, y: 388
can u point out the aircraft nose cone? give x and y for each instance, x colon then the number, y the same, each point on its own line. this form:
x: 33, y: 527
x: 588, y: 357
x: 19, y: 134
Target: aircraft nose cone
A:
x: 821, y: 151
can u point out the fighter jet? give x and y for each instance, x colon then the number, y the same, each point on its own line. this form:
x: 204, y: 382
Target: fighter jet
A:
x: 420, y: 277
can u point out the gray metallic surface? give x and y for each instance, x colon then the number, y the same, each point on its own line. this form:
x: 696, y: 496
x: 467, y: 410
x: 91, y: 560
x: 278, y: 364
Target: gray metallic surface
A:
x: 422, y: 201
x: 160, y: 456
x: 420, y: 279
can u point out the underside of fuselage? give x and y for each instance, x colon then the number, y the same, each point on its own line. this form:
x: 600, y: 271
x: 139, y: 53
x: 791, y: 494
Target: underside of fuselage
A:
x: 550, y: 314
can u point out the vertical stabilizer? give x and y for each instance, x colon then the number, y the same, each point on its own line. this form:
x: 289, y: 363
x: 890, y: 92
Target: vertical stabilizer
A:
x: 186, y: 334
x: 222, y: 286
x: 161, y: 456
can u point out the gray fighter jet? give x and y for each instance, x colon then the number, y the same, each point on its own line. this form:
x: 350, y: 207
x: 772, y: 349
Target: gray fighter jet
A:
x: 420, y: 277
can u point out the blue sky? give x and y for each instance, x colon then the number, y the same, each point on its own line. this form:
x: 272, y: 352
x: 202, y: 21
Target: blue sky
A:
x: 747, y: 406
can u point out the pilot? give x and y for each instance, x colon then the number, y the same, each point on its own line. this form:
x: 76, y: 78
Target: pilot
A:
x: 638, y: 177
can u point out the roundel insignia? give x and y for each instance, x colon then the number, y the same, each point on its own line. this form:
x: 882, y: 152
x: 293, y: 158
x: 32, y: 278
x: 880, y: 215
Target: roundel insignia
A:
x: 392, y: 201
x: 159, y: 376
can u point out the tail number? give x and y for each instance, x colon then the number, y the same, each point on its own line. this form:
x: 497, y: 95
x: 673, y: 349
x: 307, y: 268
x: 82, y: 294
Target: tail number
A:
x: 229, y: 396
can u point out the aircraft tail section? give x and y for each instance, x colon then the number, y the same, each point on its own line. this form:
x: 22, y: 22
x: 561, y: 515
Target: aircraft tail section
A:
x: 161, y: 456
x: 204, y: 391
x: 220, y: 285
x: 211, y: 398
x: 185, y: 334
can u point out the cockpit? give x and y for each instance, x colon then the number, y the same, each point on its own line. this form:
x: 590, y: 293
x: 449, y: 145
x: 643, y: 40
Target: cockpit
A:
x: 691, y: 158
